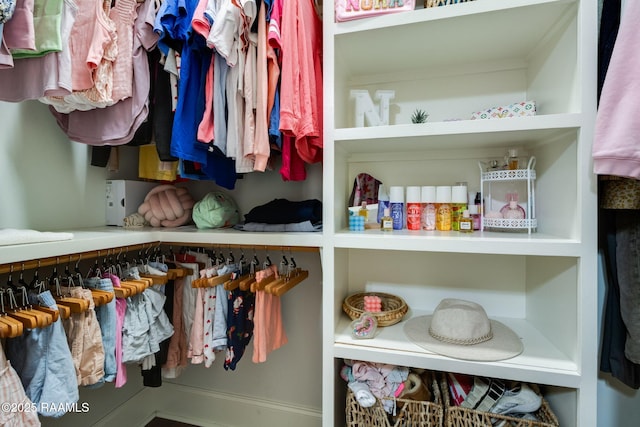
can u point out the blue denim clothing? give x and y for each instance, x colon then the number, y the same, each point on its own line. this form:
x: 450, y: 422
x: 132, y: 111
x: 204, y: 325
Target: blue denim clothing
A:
x: 42, y: 359
x: 146, y: 325
x: 159, y: 266
x: 106, y: 315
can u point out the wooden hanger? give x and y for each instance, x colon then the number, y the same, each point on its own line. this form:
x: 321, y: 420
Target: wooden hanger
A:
x: 15, y: 327
x: 39, y: 286
x: 29, y: 320
x: 5, y: 330
x: 177, y: 273
x: 282, y: 286
x: 234, y: 282
x: 43, y: 318
x: 210, y: 282
x: 122, y: 291
x: 249, y: 283
x: 290, y: 277
x: 144, y: 282
x: 264, y: 282
x: 100, y: 296
x: 75, y: 305
x: 64, y: 310
x: 55, y: 314
x: 129, y: 288
x: 60, y: 311
x: 156, y: 278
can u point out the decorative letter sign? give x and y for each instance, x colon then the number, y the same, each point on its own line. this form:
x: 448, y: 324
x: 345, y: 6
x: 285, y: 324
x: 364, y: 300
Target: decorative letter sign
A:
x: 365, y: 108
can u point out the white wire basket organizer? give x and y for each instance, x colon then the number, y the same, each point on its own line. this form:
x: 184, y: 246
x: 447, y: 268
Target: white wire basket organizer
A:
x: 490, y: 180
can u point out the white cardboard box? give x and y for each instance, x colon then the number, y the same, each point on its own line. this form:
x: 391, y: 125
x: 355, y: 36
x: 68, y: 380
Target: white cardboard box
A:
x: 123, y: 197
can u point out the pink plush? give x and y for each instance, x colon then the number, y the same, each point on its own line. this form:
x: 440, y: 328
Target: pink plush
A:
x: 167, y: 206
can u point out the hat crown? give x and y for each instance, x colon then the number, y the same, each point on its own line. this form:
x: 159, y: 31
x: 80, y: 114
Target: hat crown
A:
x: 460, y: 322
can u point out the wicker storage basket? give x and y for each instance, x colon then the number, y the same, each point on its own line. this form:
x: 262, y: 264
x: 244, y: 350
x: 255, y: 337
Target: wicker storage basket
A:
x: 455, y: 416
x: 393, y: 308
x: 409, y: 413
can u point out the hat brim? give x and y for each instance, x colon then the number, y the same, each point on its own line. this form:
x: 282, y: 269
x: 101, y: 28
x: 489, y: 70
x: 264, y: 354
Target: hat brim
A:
x: 505, y: 344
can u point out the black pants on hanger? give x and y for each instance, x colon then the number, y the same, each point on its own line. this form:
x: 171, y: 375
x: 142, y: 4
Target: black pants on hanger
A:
x: 618, y: 244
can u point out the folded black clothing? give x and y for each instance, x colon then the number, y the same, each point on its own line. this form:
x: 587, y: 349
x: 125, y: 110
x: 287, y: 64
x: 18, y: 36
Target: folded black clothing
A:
x: 283, y: 211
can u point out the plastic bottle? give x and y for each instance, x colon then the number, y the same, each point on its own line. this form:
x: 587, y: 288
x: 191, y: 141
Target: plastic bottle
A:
x: 428, y: 202
x: 383, y: 201
x: 443, y: 208
x: 413, y: 208
x: 396, y: 206
x: 458, y: 204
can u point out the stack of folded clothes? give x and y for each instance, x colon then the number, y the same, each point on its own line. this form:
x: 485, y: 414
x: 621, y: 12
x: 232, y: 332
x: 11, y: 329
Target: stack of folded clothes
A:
x: 281, y: 215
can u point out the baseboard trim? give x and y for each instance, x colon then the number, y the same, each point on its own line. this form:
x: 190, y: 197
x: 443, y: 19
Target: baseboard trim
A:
x: 208, y: 409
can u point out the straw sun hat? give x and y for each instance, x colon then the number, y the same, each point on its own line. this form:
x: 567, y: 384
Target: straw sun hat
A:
x: 462, y: 330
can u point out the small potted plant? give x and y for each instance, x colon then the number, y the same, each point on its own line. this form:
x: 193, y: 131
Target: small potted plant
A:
x: 419, y: 116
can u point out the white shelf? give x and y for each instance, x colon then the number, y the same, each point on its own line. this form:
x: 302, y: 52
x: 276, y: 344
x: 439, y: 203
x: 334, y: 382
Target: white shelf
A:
x: 456, y: 134
x: 540, y: 362
x: 91, y: 239
x: 100, y: 238
x: 485, y: 31
x: 227, y: 236
x: 485, y: 242
x: 509, y: 175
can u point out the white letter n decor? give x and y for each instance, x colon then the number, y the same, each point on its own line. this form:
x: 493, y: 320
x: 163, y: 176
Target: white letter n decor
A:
x: 365, y: 108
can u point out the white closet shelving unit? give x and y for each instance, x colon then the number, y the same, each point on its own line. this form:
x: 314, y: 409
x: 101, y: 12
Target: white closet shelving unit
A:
x: 452, y: 61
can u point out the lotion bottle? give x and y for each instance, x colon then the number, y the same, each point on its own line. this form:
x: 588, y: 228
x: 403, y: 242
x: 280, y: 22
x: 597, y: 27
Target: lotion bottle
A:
x: 383, y: 201
x: 428, y: 202
x: 413, y: 208
x: 443, y: 212
x: 396, y: 206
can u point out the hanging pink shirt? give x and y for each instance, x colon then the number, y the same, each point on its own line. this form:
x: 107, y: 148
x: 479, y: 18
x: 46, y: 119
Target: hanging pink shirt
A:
x: 91, y: 33
x: 301, y: 84
x: 19, y: 32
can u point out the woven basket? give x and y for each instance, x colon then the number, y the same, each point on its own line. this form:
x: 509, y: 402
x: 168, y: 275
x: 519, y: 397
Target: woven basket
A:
x: 436, y: 3
x: 455, y: 416
x: 409, y: 413
x: 393, y: 308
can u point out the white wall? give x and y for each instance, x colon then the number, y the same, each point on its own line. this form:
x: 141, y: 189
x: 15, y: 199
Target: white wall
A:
x: 47, y: 182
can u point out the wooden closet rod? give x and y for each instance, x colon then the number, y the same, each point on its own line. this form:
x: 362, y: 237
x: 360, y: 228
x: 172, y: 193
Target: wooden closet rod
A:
x: 31, y: 264
x: 274, y: 248
x: 74, y: 257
